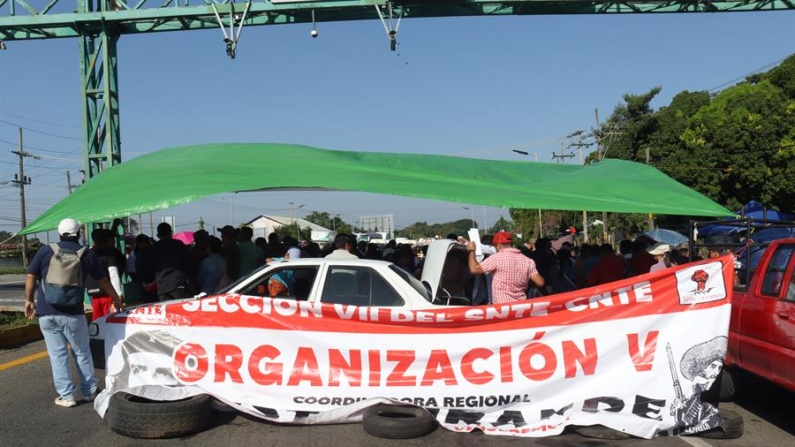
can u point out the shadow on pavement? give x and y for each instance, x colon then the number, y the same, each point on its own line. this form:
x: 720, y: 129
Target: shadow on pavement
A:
x: 765, y: 399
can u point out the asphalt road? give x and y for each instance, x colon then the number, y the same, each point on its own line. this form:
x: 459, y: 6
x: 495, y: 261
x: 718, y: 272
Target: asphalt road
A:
x: 12, y: 293
x: 28, y: 417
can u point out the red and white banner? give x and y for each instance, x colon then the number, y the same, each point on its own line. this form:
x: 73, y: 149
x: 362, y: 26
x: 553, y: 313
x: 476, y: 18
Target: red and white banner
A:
x: 632, y: 355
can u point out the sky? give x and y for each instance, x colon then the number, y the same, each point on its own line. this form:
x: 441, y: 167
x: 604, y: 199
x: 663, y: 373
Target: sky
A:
x: 475, y: 87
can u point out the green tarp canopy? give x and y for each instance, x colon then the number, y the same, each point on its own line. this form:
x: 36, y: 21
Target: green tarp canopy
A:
x: 180, y: 175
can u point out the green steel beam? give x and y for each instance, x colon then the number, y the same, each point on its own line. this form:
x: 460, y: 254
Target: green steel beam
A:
x: 19, y: 20
x: 100, y: 109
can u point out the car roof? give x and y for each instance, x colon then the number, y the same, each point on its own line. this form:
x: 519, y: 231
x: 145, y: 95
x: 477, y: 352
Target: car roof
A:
x: 433, y: 265
x: 332, y: 261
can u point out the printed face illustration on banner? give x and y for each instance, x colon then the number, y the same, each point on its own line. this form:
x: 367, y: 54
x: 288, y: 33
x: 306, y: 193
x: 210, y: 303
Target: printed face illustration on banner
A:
x: 591, y: 356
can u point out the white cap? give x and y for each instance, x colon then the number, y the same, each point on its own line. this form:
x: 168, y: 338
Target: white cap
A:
x: 68, y: 228
x: 658, y: 249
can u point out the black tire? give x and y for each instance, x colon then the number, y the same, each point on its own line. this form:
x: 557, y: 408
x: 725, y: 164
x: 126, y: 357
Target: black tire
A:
x: 722, y: 389
x: 601, y: 432
x: 727, y: 390
x: 397, y: 421
x: 137, y: 417
x: 731, y: 427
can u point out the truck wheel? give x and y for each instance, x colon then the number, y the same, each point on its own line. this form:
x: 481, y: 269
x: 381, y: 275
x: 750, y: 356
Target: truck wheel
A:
x: 138, y: 417
x: 397, y: 422
x: 731, y: 427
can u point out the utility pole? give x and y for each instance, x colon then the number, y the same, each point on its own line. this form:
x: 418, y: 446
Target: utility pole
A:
x: 563, y: 155
x: 20, y: 180
x: 69, y: 184
x: 600, y: 156
x: 232, y: 209
x: 535, y: 159
x: 651, y: 216
x: 294, y: 214
x: 472, y: 211
x: 580, y: 144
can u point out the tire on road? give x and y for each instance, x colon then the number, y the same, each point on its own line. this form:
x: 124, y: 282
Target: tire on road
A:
x: 731, y: 427
x: 722, y: 389
x: 397, y: 421
x: 138, y: 417
x: 601, y: 432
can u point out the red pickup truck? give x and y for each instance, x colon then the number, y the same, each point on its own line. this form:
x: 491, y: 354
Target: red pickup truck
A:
x: 762, y: 327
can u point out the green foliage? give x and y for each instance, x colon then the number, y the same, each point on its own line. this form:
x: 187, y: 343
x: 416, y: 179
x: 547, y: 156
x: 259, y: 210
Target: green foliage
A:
x: 12, y: 270
x: 734, y: 147
x: 782, y: 76
x: 501, y: 225
x: 331, y: 222
x: 286, y: 230
x: 10, y: 320
x: 637, y: 123
x: 423, y: 229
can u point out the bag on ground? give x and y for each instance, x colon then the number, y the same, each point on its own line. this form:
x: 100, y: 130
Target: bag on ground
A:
x: 63, y: 286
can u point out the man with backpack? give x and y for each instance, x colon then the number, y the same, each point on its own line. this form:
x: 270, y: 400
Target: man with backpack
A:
x: 61, y: 270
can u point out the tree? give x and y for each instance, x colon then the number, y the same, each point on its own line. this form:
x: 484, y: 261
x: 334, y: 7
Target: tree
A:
x: 637, y: 123
x: 326, y: 221
x: 739, y: 144
x: 501, y: 225
x: 6, y: 238
x: 782, y: 76
x: 305, y: 234
x: 422, y: 229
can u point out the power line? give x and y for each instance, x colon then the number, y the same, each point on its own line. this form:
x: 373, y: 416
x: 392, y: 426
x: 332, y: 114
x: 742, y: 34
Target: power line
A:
x: 39, y: 131
x: 740, y: 78
x: 27, y: 146
x: 39, y: 121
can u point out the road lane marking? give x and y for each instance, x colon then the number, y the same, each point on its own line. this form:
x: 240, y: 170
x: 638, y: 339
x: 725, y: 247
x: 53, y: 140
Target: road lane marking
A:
x: 695, y: 442
x: 23, y: 360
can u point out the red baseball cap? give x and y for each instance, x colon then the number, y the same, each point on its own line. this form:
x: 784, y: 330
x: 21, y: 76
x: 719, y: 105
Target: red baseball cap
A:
x: 502, y: 237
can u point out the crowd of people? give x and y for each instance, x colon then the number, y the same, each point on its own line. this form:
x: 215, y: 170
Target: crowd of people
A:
x: 166, y: 268
x: 536, y: 269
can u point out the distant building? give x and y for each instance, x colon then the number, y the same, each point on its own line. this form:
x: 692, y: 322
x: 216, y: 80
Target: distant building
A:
x: 265, y: 225
x: 383, y: 223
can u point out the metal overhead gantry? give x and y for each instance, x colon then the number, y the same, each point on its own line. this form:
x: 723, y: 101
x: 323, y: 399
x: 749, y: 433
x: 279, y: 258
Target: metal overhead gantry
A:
x: 98, y: 24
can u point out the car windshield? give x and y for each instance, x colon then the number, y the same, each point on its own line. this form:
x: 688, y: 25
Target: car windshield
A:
x: 234, y: 284
x: 413, y: 282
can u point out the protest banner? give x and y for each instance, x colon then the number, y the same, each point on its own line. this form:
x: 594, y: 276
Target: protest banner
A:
x: 632, y: 355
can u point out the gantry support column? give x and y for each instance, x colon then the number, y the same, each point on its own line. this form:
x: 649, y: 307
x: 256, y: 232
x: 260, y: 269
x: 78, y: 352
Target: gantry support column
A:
x: 99, y: 80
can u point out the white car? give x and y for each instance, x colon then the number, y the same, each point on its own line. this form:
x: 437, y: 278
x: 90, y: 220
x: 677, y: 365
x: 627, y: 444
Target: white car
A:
x: 358, y: 282
x: 354, y: 282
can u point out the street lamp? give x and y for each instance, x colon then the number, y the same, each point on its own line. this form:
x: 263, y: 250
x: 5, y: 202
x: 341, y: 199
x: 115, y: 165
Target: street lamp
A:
x: 534, y: 154
x: 535, y: 158
x: 293, y: 213
x: 471, y: 210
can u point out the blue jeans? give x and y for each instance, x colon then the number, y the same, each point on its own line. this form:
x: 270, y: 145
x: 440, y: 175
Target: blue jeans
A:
x: 58, y: 330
